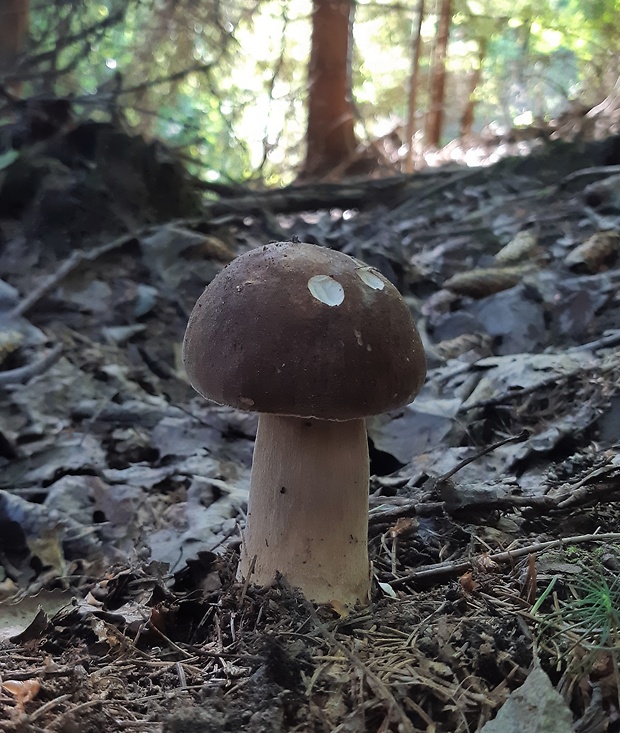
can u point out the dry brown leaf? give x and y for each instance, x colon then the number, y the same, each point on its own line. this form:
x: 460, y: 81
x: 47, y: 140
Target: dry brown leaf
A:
x: 402, y: 525
x: 486, y: 281
x: 340, y: 608
x: 22, y: 690
x: 480, y: 345
x: 596, y: 253
x: 486, y: 563
x: 468, y: 584
x: 524, y: 244
x: 217, y: 249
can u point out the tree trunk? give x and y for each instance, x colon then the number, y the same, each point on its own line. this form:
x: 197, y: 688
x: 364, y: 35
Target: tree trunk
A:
x: 467, y: 118
x: 14, y: 18
x: 434, y: 119
x: 414, y: 83
x: 330, y: 135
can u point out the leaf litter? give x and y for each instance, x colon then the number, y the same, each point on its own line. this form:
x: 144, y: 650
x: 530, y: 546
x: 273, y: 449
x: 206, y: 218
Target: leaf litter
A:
x: 122, y: 495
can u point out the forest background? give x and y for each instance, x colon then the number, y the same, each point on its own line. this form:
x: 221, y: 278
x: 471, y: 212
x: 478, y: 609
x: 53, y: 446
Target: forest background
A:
x: 228, y: 83
x: 493, y: 502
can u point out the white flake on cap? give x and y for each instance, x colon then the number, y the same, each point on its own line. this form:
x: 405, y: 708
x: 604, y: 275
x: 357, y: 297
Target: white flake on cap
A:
x: 368, y: 277
x: 326, y: 289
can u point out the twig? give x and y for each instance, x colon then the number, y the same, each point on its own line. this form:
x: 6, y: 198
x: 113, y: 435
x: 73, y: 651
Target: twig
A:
x: 580, y: 492
x: 48, y: 706
x: 167, y: 79
x: 381, y: 512
x: 508, y: 395
x: 246, y: 582
x: 456, y: 568
x: 523, y: 435
x: 569, y: 496
x: 610, y: 338
x: 33, y: 64
x: 415, y: 202
x: 23, y: 374
x: 68, y: 266
x: 597, y: 171
x: 153, y: 629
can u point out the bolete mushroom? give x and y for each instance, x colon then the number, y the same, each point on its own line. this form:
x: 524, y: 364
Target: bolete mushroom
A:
x: 315, y: 341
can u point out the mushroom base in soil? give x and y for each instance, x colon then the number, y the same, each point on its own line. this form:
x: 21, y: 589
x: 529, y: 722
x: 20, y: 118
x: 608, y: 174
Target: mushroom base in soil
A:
x: 308, y: 508
x: 315, y: 341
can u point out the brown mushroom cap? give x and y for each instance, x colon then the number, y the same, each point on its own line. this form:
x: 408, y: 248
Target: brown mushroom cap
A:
x: 301, y: 330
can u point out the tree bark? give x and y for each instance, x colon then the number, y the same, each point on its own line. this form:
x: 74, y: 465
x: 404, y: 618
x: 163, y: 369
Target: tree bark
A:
x: 14, y: 17
x: 414, y: 83
x: 330, y: 135
x: 434, y: 119
x: 467, y: 118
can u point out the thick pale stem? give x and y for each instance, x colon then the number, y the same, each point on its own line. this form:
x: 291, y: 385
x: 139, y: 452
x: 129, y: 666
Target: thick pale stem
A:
x: 308, y: 510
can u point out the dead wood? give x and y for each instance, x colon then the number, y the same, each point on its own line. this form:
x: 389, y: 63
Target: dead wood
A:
x: 456, y: 568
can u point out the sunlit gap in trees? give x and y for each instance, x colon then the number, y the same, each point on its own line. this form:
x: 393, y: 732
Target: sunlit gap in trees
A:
x: 229, y: 83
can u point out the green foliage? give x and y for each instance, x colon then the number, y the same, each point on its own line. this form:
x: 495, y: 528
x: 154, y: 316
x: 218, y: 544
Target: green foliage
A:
x: 381, y: 63
x: 226, y: 82
x: 597, y: 608
x: 592, y: 615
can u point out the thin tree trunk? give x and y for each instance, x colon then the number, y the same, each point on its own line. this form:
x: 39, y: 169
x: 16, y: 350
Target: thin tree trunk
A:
x: 434, y: 120
x: 330, y: 135
x: 14, y: 17
x: 467, y: 118
x: 414, y: 83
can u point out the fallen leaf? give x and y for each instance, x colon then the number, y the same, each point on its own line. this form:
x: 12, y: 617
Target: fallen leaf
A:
x: 22, y: 690
x: 468, y: 584
x: 535, y: 707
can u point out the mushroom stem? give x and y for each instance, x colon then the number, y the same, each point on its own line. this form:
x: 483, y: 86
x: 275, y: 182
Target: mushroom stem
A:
x: 308, y: 507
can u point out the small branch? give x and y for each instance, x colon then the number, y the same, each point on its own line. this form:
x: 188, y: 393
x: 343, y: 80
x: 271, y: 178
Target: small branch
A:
x: 609, y: 338
x: 511, y: 395
x: 49, y: 705
x: 581, y: 492
x: 25, y: 373
x: 68, y: 266
x: 523, y: 435
x: 457, y: 568
x: 84, y: 36
x: 271, y: 84
x: 597, y: 172
x: 392, y: 510
x: 176, y: 76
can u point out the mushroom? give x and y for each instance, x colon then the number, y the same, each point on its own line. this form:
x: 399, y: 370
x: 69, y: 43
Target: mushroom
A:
x: 314, y: 341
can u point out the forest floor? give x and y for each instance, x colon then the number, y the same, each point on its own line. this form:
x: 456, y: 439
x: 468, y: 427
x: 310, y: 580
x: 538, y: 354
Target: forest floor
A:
x: 494, y: 514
